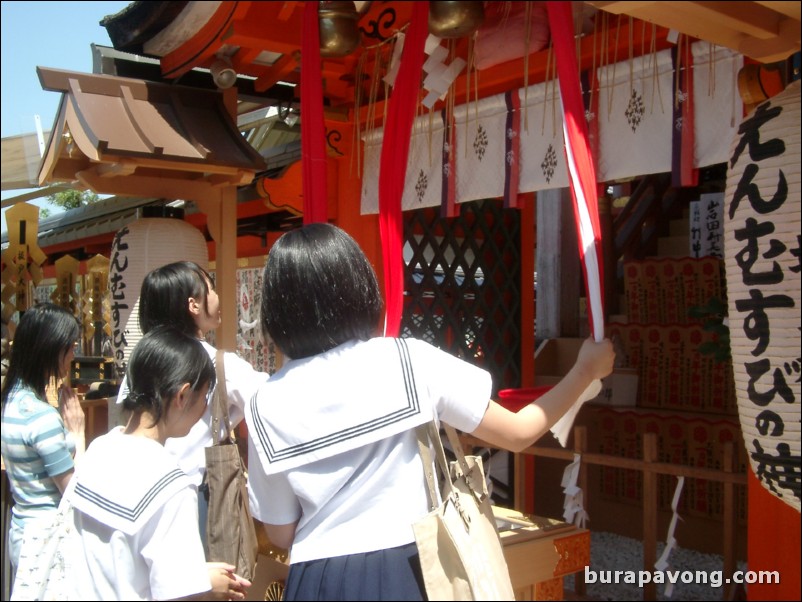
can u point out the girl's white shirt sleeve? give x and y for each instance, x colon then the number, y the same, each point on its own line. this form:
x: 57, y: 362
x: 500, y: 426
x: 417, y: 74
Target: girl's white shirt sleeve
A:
x: 281, y: 506
x: 242, y: 382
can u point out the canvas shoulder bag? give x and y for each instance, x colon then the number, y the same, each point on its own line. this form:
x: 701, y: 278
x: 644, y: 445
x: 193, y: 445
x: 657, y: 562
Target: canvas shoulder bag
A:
x: 461, y: 554
x: 230, y: 530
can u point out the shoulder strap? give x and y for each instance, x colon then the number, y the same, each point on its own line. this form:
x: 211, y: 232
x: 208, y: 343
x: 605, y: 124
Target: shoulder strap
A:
x: 221, y: 424
x: 422, y: 434
x: 428, y: 438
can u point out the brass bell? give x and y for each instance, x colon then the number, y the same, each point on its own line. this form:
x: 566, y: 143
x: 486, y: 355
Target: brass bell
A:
x: 339, y: 34
x: 455, y: 19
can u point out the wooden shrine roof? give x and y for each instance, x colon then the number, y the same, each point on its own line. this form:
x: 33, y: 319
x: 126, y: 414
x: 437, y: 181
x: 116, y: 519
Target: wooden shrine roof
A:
x: 126, y: 136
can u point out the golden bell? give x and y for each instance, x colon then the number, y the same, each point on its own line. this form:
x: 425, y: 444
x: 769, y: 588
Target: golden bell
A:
x: 455, y: 19
x: 339, y: 34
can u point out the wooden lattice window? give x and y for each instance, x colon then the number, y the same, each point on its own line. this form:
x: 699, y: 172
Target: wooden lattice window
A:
x: 462, y: 285
x: 462, y: 293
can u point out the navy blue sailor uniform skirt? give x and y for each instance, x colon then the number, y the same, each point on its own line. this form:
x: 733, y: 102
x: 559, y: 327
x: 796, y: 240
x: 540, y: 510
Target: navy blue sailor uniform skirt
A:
x: 392, y: 574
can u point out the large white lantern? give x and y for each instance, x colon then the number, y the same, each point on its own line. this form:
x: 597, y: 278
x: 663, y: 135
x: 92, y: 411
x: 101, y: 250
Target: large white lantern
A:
x: 138, y: 248
x: 762, y: 257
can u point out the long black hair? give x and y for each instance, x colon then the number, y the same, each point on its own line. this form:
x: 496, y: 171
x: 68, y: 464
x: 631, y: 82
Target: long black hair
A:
x: 44, y: 334
x: 162, y: 361
x: 165, y: 293
x: 319, y: 291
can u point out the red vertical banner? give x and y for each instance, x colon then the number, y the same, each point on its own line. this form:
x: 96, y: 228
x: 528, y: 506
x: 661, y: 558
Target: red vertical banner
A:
x: 581, y: 168
x: 313, y: 130
x: 393, y: 164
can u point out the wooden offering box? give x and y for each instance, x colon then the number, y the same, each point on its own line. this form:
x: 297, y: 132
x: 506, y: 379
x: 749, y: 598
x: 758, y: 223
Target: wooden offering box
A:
x: 540, y: 552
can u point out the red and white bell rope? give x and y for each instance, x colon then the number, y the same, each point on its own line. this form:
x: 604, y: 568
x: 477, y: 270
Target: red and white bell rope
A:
x: 583, y: 186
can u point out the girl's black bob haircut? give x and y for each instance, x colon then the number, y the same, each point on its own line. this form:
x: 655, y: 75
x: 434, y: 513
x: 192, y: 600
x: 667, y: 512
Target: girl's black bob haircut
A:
x: 165, y: 293
x: 319, y: 291
x: 162, y: 361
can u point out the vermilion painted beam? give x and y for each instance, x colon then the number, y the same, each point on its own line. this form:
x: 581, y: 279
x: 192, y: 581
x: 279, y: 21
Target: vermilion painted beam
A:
x: 280, y: 69
x: 206, y: 42
x: 266, y: 32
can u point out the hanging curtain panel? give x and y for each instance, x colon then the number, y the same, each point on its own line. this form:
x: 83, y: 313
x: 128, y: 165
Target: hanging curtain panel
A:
x: 481, y: 148
x: 635, y: 117
x: 424, y: 180
x: 425, y: 167
x: 481, y: 143
x: 542, y: 144
x: 717, y: 103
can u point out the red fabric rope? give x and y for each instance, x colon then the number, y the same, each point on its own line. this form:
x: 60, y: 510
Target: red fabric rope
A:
x: 580, y: 162
x: 313, y: 130
x: 393, y: 163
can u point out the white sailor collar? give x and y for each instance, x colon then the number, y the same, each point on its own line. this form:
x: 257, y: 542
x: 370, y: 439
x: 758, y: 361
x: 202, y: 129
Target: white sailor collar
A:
x: 305, y: 413
x: 126, y: 480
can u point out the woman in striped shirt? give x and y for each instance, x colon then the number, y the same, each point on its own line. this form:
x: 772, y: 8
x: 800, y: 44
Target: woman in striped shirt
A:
x: 40, y: 443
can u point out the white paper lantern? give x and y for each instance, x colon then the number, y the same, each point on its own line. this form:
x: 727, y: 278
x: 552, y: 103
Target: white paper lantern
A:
x: 138, y: 248
x: 762, y: 257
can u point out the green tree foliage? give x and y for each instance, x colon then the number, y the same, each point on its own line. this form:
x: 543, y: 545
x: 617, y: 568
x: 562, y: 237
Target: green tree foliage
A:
x: 72, y: 199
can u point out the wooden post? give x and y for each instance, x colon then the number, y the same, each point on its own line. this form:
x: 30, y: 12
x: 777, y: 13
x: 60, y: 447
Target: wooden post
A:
x: 221, y: 218
x: 558, y: 268
x: 580, y: 446
x: 519, y: 482
x: 608, y: 249
x: 649, y: 512
x: 524, y: 466
x: 729, y: 520
x: 226, y: 269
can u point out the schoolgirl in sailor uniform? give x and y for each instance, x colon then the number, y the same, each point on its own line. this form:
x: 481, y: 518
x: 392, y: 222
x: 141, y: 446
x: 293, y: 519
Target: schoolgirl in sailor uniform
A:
x: 135, y: 509
x: 182, y: 294
x: 334, y: 469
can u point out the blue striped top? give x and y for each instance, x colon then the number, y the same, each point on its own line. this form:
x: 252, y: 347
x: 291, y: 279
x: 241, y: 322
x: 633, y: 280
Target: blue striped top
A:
x: 35, y: 447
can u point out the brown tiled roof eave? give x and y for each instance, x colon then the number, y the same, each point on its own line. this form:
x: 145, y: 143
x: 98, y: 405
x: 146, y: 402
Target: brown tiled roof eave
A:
x: 116, y: 127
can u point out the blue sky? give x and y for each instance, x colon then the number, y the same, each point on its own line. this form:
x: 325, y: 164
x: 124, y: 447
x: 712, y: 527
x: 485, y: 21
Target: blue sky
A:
x: 47, y: 34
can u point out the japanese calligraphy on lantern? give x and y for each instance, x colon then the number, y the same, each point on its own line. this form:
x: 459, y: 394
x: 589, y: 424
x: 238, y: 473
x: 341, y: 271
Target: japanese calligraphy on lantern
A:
x: 762, y: 259
x: 138, y: 248
x: 122, y: 298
